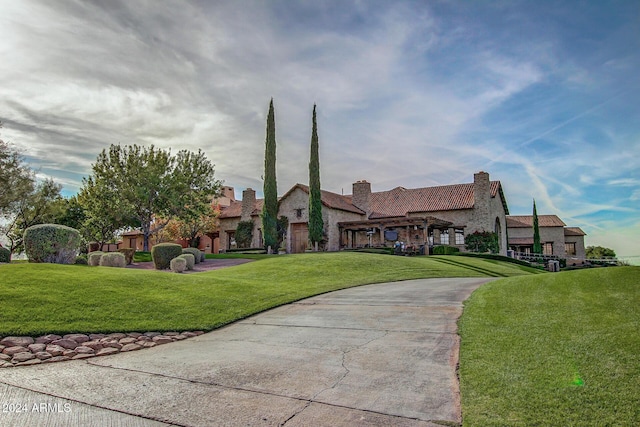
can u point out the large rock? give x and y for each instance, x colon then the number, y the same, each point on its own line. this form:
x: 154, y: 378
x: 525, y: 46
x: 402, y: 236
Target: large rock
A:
x: 81, y: 349
x: 48, y: 339
x: 17, y: 341
x: 128, y: 340
x: 22, y: 357
x: 79, y: 338
x: 131, y: 347
x: 43, y: 355
x: 161, y: 339
x: 10, y: 351
x: 55, y: 350
x: 107, y: 350
x: 34, y: 348
x: 66, y: 343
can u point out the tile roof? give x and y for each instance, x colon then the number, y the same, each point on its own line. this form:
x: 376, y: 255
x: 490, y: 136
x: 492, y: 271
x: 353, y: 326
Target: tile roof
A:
x: 521, y: 240
x: 234, y: 210
x: 526, y: 221
x: 401, y: 201
x: 574, y: 231
x: 329, y: 199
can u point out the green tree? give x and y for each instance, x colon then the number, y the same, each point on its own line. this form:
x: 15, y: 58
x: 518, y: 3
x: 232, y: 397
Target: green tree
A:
x: 41, y: 205
x: 599, y: 252
x: 270, y: 187
x: 244, y: 234
x: 16, y: 179
x: 152, y: 186
x: 315, y: 197
x: 537, y: 247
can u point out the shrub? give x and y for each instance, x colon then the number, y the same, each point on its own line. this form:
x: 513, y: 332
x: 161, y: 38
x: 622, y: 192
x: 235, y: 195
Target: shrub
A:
x: 128, y: 254
x: 178, y: 265
x: 81, y: 260
x: 113, y: 259
x: 202, y: 256
x: 485, y: 241
x: 244, y: 234
x: 51, y: 243
x: 163, y: 253
x: 445, y: 250
x: 197, y: 254
x: 5, y: 255
x: 94, y: 258
x: 191, y: 260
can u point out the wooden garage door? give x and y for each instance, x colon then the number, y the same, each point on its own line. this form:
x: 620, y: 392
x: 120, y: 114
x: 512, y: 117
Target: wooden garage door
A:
x: 299, y: 237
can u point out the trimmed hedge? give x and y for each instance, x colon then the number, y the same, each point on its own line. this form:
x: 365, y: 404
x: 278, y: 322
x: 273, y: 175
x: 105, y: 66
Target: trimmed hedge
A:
x: 445, y: 250
x: 128, y: 254
x: 197, y: 254
x: 81, y: 260
x: 52, y: 243
x: 163, y: 253
x: 178, y: 264
x: 495, y: 257
x: 5, y: 255
x: 94, y: 258
x: 113, y: 259
x: 191, y: 260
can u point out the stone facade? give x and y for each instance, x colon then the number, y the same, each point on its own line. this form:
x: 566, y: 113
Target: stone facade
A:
x: 555, y: 236
x: 420, y: 217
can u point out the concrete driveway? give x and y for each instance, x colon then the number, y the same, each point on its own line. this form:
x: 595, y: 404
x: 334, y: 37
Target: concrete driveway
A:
x: 376, y: 355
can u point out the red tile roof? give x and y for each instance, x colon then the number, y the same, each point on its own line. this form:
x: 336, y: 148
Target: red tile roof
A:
x: 234, y: 210
x: 574, y: 231
x: 401, y: 201
x: 526, y: 221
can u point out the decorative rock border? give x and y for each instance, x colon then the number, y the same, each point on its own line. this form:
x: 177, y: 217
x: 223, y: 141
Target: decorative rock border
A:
x: 24, y: 351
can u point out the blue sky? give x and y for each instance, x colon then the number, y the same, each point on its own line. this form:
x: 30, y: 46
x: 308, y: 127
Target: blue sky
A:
x: 543, y: 95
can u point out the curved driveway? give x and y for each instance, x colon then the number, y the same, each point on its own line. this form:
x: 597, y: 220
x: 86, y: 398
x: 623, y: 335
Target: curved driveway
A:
x: 374, y: 355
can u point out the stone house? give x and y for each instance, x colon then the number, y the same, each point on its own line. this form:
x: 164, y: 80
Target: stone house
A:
x: 555, y: 237
x: 417, y: 217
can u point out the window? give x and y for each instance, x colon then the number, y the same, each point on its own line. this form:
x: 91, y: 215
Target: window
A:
x: 444, y: 237
x: 459, y: 236
x: 547, y: 248
x: 570, y: 248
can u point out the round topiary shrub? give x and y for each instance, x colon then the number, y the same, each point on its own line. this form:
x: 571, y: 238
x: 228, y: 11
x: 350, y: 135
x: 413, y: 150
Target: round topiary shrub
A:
x: 178, y: 265
x: 94, y: 258
x: 191, y: 260
x: 81, y: 260
x: 51, y: 243
x: 163, y: 253
x: 128, y: 254
x: 5, y: 255
x: 113, y: 259
x: 193, y: 251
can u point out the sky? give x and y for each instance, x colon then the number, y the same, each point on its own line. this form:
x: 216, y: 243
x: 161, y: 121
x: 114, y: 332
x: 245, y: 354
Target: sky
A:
x: 543, y: 95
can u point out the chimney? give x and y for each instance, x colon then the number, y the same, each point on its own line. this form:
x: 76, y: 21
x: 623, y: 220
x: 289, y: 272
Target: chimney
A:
x: 248, y: 204
x: 229, y: 193
x: 362, y: 196
x: 482, y: 201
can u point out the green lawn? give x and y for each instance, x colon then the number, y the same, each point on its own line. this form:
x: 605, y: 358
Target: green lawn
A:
x: 553, y: 350
x: 45, y: 298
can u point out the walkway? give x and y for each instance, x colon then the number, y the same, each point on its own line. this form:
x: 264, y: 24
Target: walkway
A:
x: 374, y: 355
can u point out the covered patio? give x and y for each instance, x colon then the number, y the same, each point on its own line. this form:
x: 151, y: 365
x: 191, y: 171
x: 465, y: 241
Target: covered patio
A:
x: 413, y: 232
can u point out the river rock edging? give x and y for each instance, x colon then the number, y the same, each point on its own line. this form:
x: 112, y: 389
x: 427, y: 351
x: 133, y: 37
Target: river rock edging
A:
x: 25, y: 351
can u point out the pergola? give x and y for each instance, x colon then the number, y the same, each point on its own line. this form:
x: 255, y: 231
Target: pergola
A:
x: 420, y: 225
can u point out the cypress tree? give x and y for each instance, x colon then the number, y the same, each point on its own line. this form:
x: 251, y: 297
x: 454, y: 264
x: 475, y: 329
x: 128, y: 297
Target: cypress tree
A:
x: 270, y: 188
x: 537, y: 247
x: 315, y: 198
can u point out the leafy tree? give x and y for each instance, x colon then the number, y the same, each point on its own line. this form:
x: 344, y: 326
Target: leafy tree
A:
x: 152, y: 186
x: 41, y: 205
x: 537, y: 247
x: 193, y: 228
x: 270, y: 187
x: 283, y: 225
x: 599, y: 252
x: 104, y: 213
x: 482, y: 242
x: 16, y: 179
x: 315, y: 197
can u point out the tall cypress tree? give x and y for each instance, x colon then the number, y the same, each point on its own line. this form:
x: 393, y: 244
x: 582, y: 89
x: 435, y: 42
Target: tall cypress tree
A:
x: 270, y: 207
x: 315, y: 198
x: 537, y: 247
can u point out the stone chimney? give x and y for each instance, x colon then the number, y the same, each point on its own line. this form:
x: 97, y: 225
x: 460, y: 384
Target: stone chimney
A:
x: 362, y: 196
x: 482, y: 201
x: 248, y: 204
x: 229, y: 193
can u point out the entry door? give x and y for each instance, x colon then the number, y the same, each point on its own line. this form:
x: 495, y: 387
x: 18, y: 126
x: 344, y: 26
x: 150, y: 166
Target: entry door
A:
x: 299, y: 237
